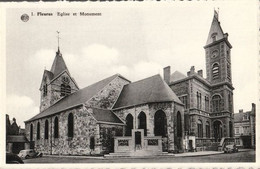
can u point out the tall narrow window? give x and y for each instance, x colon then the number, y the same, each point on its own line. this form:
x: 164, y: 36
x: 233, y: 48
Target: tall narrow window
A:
x: 230, y: 103
x: 46, y: 131
x: 38, y: 130
x: 179, y: 125
x: 70, y: 125
x: 65, y: 88
x: 200, y: 128
x: 216, y: 103
x: 56, y: 127
x: 206, y: 103
x: 198, y: 102
x: 45, y: 90
x: 129, y: 125
x: 142, y: 122
x: 92, y: 143
x: 228, y: 71
x: 215, y: 71
x: 207, y: 130
x: 31, y: 132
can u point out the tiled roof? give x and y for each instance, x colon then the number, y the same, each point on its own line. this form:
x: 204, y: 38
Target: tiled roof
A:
x: 16, y: 139
x: 76, y: 98
x: 149, y: 90
x: 177, y: 76
x: 103, y: 115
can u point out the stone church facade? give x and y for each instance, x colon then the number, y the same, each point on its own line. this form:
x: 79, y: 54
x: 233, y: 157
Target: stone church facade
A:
x: 172, y: 114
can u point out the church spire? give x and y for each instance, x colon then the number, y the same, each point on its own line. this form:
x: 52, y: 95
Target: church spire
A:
x: 58, y: 37
x: 215, y: 33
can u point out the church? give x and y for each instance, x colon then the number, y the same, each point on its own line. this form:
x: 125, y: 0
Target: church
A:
x: 172, y: 114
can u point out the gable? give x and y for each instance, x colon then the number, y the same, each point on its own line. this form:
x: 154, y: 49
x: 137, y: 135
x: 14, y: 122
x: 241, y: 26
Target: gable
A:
x: 75, y: 99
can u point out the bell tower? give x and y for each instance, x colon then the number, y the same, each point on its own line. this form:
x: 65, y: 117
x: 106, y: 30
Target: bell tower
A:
x: 218, y: 68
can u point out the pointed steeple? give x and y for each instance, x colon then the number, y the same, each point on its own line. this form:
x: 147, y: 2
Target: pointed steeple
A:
x: 215, y: 33
x: 58, y: 65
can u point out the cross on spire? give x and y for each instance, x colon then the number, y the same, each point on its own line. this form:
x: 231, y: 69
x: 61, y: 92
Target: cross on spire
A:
x: 58, y: 37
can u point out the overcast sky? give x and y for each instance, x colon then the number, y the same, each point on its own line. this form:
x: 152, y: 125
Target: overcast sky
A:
x: 136, y: 42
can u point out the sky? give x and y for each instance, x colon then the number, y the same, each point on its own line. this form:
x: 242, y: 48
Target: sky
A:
x: 134, y: 41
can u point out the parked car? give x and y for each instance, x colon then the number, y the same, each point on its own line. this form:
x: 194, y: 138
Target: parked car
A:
x: 230, y: 149
x: 13, y: 159
x: 29, y: 153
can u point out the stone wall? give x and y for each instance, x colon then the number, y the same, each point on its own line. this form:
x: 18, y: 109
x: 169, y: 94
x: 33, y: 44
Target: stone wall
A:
x: 85, y: 126
x: 169, y: 108
x: 107, y: 134
x: 107, y: 97
x: 53, y: 91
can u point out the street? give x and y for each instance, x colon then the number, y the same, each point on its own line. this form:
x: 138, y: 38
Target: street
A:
x: 247, y: 156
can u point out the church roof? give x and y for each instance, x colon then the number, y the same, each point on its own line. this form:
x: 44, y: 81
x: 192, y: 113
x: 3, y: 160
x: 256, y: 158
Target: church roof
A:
x: 104, y: 115
x: 215, y: 29
x: 76, y: 98
x: 149, y: 90
x: 177, y: 76
x: 58, y: 65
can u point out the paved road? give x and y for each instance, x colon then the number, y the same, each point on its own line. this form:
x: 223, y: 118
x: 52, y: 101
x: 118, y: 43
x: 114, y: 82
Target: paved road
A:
x: 248, y: 156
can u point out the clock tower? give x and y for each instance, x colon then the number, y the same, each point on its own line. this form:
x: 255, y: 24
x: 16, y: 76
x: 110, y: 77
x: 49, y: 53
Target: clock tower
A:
x: 218, y: 68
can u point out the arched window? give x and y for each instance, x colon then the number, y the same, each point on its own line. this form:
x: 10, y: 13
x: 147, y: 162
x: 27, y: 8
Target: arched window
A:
x: 67, y: 89
x: 46, y: 131
x: 38, y: 130
x: 207, y: 129
x: 216, y: 103
x: 70, y: 125
x: 56, y: 127
x: 31, y: 132
x: 129, y: 125
x: 142, y: 122
x: 215, y: 71
x: 160, y: 124
x: 200, y: 128
x: 179, y: 125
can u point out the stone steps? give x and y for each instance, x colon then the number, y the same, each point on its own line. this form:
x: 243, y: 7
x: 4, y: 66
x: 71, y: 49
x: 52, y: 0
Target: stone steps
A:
x: 138, y: 153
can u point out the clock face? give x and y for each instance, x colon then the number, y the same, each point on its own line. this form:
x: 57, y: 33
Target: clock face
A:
x: 65, y: 79
x: 214, y: 54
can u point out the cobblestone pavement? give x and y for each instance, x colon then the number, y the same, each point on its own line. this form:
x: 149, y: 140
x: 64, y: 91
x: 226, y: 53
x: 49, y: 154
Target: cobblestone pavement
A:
x: 246, y: 156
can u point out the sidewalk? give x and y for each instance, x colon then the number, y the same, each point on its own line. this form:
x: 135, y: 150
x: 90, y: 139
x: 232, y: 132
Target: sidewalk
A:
x: 200, y: 153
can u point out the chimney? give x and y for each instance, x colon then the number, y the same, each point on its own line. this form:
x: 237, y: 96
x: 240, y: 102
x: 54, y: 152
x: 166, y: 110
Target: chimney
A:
x: 167, y: 74
x: 240, y: 110
x: 253, y: 108
x: 188, y: 73
x: 192, y: 70
x: 200, y: 73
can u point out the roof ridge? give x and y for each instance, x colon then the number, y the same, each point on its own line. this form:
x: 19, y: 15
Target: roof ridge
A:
x: 144, y: 79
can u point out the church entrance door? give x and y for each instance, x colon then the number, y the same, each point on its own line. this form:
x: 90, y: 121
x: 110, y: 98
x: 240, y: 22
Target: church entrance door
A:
x: 138, y: 140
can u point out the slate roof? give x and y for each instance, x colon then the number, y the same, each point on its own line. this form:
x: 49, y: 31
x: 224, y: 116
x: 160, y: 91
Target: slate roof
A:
x: 104, y: 115
x: 238, y: 117
x: 149, y: 90
x: 58, y: 65
x: 75, y: 98
x: 16, y: 139
x: 177, y: 76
